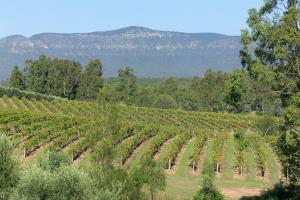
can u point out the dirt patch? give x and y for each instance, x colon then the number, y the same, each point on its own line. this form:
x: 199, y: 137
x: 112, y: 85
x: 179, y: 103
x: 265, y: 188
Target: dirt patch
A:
x: 240, y: 192
x: 162, y: 148
x: 263, y: 178
x: 82, y: 156
x: 38, y: 149
x: 219, y: 174
x: 134, y: 154
x: 240, y: 177
x: 85, y: 153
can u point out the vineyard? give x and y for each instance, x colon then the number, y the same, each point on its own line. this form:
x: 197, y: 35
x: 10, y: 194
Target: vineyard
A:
x: 179, y: 140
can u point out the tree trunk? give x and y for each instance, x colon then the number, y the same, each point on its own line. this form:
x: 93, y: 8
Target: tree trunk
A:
x: 152, y: 196
x: 194, y: 168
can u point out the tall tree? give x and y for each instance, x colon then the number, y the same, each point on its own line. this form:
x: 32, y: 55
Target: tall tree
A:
x: 289, y: 141
x: 271, y: 49
x: 63, y: 78
x: 238, y: 90
x: 149, y: 174
x: 170, y: 87
x: 17, y: 78
x: 273, y: 41
x: 37, y: 72
x: 127, y: 86
x: 91, y: 80
x: 207, y: 93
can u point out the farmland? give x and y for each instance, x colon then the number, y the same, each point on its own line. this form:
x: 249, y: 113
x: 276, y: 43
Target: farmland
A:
x: 180, y: 141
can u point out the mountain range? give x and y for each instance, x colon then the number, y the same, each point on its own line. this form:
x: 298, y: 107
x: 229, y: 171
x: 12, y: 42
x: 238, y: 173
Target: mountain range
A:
x: 151, y: 53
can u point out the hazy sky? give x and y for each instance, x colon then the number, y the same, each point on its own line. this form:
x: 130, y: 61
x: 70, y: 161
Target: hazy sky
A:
x: 28, y: 17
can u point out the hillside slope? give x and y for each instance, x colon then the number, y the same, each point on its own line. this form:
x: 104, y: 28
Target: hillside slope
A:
x: 180, y: 141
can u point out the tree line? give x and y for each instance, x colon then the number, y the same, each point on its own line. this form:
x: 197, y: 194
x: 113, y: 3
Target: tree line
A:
x: 215, y: 91
x: 59, y: 77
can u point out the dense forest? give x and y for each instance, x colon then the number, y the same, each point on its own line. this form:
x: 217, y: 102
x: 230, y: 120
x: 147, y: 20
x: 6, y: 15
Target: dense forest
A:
x: 236, y: 92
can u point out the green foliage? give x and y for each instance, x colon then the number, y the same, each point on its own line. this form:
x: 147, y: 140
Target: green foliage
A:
x: 111, y: 183
x: 66, y: 182
x: 241, y: 145
x: 165, y: 101
x: 14, y: 92
x: 267, y: 125
x: 148, y: 173
x: 218, y: 146
x: 55, y: 160
x: 127, y: 147
x: 35, y: 183
x: 289, y: 154
x: 37, y: 74
x: 16, y: 79
x: 104, y: 153
x: 275, y: 30
x: 289, y: 142
x: 201, y: 140
x: 238, y: 90
x: 258, y: 144
x: 127, y: 86
x: 208, y: 190
x: 71, y: 183
x: 174, y: 149
x: 63, y: 77
x: 59, y: 77
x: 169, y: 87
x: 291, y: 116
x: 9, y: 174
x: 90, y: 81
x: 207, y: 93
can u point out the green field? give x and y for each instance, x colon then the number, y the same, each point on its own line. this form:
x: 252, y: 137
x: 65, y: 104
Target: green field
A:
x: 172, y: 137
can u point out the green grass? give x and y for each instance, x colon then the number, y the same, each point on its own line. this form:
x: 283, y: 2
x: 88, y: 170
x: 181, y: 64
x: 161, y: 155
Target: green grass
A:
x: 229, y: 157
x: 183, y: 185
x: 251, y: 174
x: 182, y: 169
x: 273, y: 170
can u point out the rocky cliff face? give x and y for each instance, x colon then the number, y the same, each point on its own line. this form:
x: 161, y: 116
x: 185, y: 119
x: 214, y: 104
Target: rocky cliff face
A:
x: 149, y: 52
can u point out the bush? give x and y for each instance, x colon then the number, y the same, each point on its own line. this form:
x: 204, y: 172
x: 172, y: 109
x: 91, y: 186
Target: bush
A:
x: 66, y: 182
x: 266, y: 125
x: 208, y: 193
x: 208, y: 190
x: 14, y: 92
x: 165, y: 101
x: 8, y: 169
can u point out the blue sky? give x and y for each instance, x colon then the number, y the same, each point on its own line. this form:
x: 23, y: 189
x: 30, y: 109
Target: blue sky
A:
x: 28, y: 17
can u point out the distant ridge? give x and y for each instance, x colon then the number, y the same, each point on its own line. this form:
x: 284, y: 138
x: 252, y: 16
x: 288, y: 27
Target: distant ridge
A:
x: 152, y: 53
